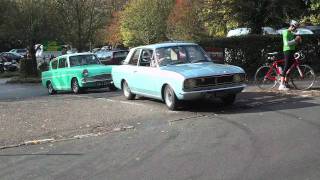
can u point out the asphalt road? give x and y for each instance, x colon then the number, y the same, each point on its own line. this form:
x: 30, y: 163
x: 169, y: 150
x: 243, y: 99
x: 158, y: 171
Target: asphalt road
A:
x: 264, y: 135
x: 11, y: 92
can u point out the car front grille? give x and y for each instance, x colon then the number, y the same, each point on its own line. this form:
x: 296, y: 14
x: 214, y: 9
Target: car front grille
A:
x: 212, y: 82
x: 101, y: 77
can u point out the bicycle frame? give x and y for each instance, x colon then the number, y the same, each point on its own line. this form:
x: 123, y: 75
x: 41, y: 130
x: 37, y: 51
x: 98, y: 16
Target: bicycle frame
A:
x: 275, y: 65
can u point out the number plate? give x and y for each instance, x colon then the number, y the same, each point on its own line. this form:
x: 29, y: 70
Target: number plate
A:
x: 102, y: 83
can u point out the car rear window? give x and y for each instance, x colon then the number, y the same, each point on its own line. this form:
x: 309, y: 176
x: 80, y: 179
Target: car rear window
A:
x: 81, y: 60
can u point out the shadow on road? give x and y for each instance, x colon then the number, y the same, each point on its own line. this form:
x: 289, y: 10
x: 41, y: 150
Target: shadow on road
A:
x: 252, y: 102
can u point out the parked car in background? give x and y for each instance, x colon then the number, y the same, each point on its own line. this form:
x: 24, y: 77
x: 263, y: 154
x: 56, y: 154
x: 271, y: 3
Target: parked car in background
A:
x: 94, y: 50
x: 7, y: 65
x: 299, y: 31
x: 76, y: 72
x: 314, y: 29
x: 113, y: 57
x: 11, y: 56
x: 246, y: 31
x: 173, y: 72
x: 22, y: 52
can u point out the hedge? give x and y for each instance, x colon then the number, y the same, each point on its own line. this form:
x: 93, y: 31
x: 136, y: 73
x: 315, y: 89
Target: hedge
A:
x: 249, y: 52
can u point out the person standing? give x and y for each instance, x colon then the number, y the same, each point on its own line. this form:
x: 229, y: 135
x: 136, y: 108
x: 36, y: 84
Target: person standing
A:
x: 290, y: 42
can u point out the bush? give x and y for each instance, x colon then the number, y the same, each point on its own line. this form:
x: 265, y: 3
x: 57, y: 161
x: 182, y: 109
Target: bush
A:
x: 27, y: 68
x: 249, y: 52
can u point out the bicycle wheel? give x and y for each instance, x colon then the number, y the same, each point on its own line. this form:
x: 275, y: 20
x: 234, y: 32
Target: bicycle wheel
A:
x: 302, y: 78
x: 266, y: 78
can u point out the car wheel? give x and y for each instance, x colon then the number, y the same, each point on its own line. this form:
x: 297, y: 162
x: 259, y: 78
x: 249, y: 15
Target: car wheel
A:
x: 228, y: 99
x: 50, y: 88
x: 75, y: 86
x: 127, y: 92
x: 170, y: 98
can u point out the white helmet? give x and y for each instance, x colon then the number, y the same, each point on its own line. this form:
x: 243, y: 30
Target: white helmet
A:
x: 294, y: 23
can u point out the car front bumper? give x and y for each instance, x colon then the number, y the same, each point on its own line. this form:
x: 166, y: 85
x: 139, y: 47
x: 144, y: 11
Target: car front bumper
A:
x: 96, y: 83
x: 213, y: 92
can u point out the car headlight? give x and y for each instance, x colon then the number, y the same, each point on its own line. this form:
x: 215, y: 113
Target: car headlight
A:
x: 85, y: 73
x: 237, y: 78
x: 190, y: 83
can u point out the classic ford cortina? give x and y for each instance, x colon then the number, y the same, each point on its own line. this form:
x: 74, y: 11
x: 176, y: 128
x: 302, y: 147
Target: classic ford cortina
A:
x: 76, y: 72
x: 174, y: 72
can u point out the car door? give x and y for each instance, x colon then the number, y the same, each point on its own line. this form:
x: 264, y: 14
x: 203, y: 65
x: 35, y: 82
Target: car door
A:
x: 145, y: 73
x: 63, y: 73
x: 54, y: 74
x: 131, y: 71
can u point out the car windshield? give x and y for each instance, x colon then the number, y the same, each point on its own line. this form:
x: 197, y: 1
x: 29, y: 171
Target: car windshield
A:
x: 180, y: 55
x: 81, y: 60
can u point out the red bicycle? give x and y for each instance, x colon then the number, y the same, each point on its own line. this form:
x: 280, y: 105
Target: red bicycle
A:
x: 301, y: 76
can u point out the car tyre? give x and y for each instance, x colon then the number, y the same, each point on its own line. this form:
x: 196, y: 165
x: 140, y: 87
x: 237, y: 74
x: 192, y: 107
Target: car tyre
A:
x: 170, y: 98
x: 229, y: 99
x: 127, y: 92
x: 50, y: 88
x: 75, y: 86
x: 112, y: 87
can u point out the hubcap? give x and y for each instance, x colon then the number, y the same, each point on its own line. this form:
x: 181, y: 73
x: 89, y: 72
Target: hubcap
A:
x: 50, y: 88
x: 126, y: 89
x: 168, y: 97
x: 75, y: 86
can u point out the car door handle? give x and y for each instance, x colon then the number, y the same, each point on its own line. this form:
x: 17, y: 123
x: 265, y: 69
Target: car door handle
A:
x: 135, y: 71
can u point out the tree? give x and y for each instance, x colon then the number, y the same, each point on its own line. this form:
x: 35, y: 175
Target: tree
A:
x: 259, y: 13
x: 144, y: 21
x: 183, y: 22
x: 223, y: 15
x: 313, y: 16
x: 113, y: 36
x: 81, y: 20
x: 217, y: 16
x: 30, y: 23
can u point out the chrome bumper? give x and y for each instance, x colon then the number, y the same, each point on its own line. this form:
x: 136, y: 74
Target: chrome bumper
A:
x: 217, y: 92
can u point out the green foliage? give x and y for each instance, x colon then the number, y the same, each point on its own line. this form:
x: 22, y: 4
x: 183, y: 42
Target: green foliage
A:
x: 80, y: 20
x: 313, y: 16
x: 249, y: 52
x: 218, y: 16
x: 144, y: 21
x: 181, y: 24
x: 222, y: 15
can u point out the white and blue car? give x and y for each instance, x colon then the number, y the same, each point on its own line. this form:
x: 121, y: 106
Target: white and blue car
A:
x: 174, y: 72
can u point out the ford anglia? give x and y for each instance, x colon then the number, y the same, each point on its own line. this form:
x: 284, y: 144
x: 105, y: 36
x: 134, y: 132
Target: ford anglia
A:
x: 76, y: 72
x: 174, y: 72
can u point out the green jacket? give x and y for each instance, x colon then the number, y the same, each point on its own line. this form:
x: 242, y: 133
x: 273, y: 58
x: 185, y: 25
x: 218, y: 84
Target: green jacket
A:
x: 289, y: 43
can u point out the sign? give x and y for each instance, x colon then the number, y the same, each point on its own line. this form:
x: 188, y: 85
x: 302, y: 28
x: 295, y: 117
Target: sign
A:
x: 52, y: 46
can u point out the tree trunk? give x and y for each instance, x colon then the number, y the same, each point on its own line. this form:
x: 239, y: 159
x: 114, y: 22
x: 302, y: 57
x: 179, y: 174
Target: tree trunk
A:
x: 32, y: 69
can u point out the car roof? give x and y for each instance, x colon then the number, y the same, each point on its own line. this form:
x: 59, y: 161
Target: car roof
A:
x: 167, y: 44
x: 74, y: 54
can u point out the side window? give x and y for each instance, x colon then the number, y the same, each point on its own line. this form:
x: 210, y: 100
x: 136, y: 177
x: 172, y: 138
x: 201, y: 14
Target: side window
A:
x: 135, y: 57
x: 54, y: 64
x: 63, y: 63
x: 145, y: 58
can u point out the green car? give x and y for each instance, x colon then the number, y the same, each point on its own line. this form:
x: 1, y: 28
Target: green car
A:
x: 76, y: 72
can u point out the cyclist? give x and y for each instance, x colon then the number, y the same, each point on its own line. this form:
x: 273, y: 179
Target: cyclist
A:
x: 289, y: 46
